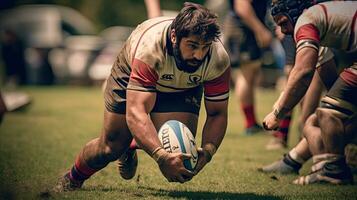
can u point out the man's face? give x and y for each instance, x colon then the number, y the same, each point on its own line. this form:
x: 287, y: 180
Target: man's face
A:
x: 190, y: 52
x: 285, y: 24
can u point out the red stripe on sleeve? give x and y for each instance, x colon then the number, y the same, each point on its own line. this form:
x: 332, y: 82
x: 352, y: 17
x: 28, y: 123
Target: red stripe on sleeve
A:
x: 143, y: 74
x: 218, y: 85
x: 350, y: 77
x: 307, y: 31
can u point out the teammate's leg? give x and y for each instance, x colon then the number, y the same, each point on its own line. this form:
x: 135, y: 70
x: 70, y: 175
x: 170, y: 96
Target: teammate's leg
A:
x: 244, y: 89
x: 335, y: 120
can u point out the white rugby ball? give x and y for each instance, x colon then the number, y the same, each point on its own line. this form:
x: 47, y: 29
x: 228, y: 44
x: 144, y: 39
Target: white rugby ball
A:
x: 176, y: 137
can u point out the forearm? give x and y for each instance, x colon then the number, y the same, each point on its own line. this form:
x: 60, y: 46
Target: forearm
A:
x: 299, y: 79
x: 153, y: 8
x: 143, y: 130
x: 214, y: 129
x: 298, y: 83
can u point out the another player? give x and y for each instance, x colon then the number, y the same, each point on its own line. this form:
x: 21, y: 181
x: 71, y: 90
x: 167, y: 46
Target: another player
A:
x: 159, y: 75
x: 331, y: 24
x: 245, y: 36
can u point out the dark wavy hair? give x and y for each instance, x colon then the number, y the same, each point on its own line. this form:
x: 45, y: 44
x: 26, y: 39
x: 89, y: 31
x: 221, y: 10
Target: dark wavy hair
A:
x: 195, y: 19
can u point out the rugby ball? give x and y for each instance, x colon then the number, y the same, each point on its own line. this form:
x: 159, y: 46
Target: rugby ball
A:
x: 176, y: 137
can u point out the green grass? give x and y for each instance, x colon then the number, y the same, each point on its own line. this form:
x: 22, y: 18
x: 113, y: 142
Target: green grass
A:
x: 40, y: 143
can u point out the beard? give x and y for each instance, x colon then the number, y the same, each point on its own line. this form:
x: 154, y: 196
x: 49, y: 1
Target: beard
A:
x: 182, y: 64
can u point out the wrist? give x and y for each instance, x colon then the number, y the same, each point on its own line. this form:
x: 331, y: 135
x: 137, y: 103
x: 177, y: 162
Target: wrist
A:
x: 159, y: 155
x: 280, y: 113
x: 209, y: 150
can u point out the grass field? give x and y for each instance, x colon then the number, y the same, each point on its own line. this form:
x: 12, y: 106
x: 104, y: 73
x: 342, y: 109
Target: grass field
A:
x: 37, y: 145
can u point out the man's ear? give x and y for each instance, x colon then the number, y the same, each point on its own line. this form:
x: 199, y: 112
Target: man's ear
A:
x: 173, y: 36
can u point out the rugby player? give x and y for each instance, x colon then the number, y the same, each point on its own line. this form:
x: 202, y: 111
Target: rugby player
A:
x: 245, y: 38
x: 330, y: 24
x: 160, y: 74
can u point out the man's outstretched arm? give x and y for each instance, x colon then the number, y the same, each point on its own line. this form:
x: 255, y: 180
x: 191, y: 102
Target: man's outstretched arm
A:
x: 298, y: 82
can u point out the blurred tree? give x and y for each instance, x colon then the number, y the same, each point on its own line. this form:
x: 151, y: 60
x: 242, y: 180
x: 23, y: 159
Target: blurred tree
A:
x: 105, y: 13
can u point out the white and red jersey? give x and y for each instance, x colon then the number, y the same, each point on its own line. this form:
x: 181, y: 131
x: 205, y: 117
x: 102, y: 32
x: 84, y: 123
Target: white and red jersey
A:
x: 146, y: 56
x: 330, y: 24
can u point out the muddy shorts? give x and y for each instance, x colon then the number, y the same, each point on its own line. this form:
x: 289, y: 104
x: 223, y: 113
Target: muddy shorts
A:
x: 186, y: 101
x: 240, y: 42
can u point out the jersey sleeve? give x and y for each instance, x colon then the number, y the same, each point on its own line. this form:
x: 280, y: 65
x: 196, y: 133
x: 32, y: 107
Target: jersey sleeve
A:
x: 142, y: 77
x: 325, y: 54
x: 216, y: 85
x: 309, y: 28
x: 218, y: 88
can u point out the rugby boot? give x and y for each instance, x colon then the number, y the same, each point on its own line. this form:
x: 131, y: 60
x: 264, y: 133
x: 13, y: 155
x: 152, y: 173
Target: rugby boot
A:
x: 283, y: 166
x: 127, y: 164
x: 276, y: 144
x: 256, y: 128
x: 333, y: 172
x: 65, y: 183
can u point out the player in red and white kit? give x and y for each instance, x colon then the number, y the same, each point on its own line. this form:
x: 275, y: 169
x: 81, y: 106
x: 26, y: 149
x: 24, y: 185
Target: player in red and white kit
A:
x: 330, y: 24
x: 160, y: 75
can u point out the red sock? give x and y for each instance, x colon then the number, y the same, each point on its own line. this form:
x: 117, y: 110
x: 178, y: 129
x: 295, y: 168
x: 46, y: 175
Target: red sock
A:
x: 284, y: 125
x: 249, y: 115
x: 80, y: 171
x: 134, y: 145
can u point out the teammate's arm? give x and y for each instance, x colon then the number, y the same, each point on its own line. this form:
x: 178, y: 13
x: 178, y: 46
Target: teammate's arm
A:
x: 299, y: 80
x: 245, y: 11
x: 153, y: 8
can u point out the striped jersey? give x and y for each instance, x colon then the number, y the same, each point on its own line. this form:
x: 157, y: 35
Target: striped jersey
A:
x: 330, y: 24
x: 147, y: 59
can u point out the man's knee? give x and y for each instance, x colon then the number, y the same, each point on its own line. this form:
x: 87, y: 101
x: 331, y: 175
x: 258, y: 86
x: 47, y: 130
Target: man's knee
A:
x: 114, y: 143
x: 310, y: 125
x: 331, y: 121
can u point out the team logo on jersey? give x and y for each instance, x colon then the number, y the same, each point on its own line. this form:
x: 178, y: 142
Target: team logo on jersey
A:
x: 167, y: 77
x: 194, y: 79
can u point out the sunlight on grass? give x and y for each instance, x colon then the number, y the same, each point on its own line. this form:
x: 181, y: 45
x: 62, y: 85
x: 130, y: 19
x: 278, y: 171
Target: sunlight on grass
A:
x: 39, y: 144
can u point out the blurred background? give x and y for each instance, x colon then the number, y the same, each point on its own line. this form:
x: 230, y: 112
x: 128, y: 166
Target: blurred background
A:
x: 75, y: 42
x: 46, y: 42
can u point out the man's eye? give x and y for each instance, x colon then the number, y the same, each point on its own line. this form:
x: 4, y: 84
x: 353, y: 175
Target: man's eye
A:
x: 192, y: 46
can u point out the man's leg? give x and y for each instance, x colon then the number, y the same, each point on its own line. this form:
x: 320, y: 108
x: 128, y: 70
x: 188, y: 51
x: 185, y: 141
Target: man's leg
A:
x: 114, y: 141
x: 291, y: 162
x: 336, y: 120
x: 327, y: 145
x: 244, y: 89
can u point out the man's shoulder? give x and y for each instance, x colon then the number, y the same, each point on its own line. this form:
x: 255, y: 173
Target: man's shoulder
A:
x: 155, y: 23
x: 219, y: 56
x: 150, y: 39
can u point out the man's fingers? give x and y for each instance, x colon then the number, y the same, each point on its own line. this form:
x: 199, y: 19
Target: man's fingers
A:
x: 187, y: 173
x: 198, y: 168
x: 186, y: 156
x: 180, y: 179
x: 265, y: 126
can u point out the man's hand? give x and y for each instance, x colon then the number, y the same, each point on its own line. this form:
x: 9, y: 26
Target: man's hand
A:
x: 203, y: 157
x: 263, y: 37
x: 171, y: 166
x: 271, y: 122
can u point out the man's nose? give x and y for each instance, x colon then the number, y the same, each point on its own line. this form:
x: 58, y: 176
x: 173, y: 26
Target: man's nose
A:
x: 198, y: 54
